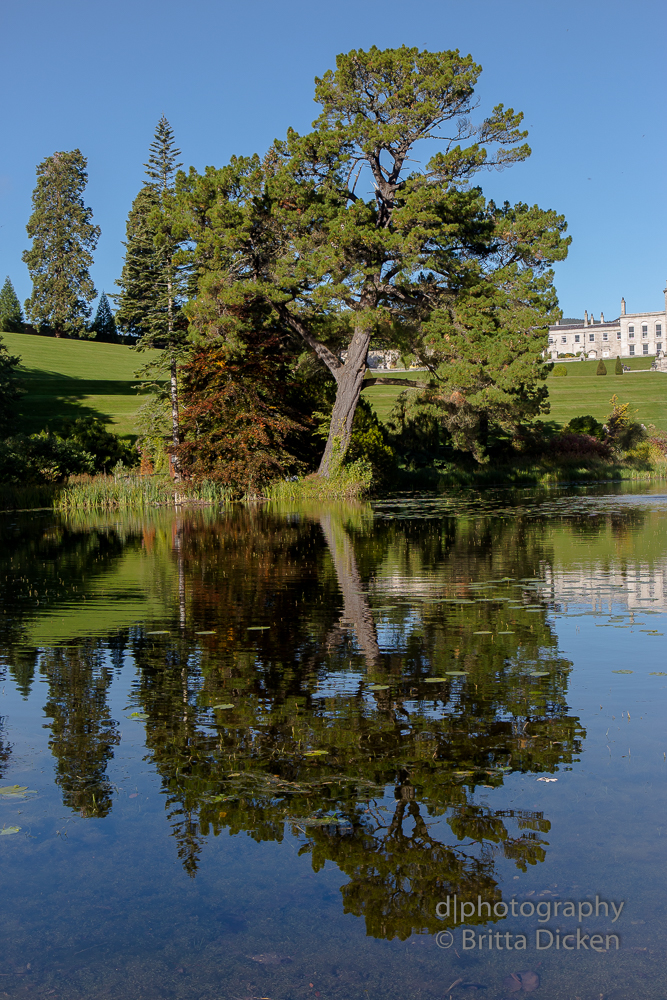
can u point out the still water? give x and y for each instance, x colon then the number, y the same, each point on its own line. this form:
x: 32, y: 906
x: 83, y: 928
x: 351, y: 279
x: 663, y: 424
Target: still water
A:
x: 409, y: 749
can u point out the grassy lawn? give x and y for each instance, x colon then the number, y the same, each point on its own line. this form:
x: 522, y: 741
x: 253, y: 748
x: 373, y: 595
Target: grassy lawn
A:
x: 580, y: 392
x: 74, y: 378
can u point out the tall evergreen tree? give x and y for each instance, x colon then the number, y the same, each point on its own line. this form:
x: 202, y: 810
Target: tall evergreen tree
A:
x: 150, y: 299
x: 11, y: 314
x: 64, y: 238
x: 104, y: 324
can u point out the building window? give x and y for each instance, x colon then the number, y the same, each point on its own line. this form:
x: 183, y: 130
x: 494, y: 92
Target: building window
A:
x: 644, y: 331
x: 591, y: 336
x: 576, y: 338
x: 644, y: 348
x: 605, y: 336
x: 631, y: 332
x: 551, y: 340
x: 658, y: 347
x: 618, y: 335
x: 632, y: 350
x: 563, y: 340
x: 658, y: 329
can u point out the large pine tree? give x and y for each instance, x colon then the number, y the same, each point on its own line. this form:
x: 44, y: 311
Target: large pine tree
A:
x: 64, y: 238
x: 104, y: 324
x: 150, y: 301
x: 11, y: 314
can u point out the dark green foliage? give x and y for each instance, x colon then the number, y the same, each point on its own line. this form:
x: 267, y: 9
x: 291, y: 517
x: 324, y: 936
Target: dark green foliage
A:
x: 618, y: 367
x: 601, y: 368
x: 63, y: 238
x: 586, y: 425
x: 139, y: 281
x: 41, y: 458
x: 162, y: 166
x: 11, y: 314
x: 560, y: 371
x: 10, y: 389
x: 90, y: 435
x: 104, y: 324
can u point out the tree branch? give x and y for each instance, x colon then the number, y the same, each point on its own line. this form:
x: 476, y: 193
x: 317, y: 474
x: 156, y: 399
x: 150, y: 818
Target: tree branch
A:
x: 409, y: 382
x: 321, y: 350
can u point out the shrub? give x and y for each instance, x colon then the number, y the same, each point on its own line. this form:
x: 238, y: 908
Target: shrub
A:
x: 618, y: 367
x: 560, y: 370
x: 601, y: 368
x: 586, y: 425
x: 579, y: 446
x: 90, y: 435
x: 41, y: 458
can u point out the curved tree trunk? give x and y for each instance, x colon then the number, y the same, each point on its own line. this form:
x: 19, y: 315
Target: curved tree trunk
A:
x: 350, y: 382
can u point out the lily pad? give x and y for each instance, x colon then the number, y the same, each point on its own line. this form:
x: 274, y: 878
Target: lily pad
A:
x: 657, y: 673
x: 315, y: 753
x: 506, y: 632
x: 484, y: 631
x: 378, y: 687
x: 456, y: 673
x: 137, y: 715
x: 538, y: 673
x: 210, y: 632
x: 16, y: 791
x: 223, y: 706
x: 160, y: 631
x: 7, y: 831
x: 257, y: 628
x: 622, y: 671
x: 434, y: 680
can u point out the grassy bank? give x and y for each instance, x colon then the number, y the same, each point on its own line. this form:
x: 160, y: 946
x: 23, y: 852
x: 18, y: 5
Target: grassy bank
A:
x: 580, y: 392
x: 135, y: 492
x: 66, y: 379
x: 531, y: 473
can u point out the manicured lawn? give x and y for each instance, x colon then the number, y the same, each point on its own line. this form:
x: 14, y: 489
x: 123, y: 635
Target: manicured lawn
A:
x: 581, y: 391
x: 71, y: 378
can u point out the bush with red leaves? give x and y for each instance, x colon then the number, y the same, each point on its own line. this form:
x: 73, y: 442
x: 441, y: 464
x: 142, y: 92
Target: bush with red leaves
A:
x: 579, y: 446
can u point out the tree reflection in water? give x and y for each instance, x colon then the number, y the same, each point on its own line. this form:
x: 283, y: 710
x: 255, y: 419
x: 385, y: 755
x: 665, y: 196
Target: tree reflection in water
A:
x: 330, y: 711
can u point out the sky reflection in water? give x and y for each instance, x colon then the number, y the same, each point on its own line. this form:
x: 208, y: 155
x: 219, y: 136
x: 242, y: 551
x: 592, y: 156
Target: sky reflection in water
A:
x: 266, y: 743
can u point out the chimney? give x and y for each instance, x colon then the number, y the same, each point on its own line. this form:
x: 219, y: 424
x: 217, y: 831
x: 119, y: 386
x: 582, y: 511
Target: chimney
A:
x: 623, y: 304
x: 585, y: 317
x: 592, y: 319
x: 602, y: 317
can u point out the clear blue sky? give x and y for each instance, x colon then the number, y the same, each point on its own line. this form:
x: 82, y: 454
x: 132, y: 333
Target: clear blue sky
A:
x: 590, y: 76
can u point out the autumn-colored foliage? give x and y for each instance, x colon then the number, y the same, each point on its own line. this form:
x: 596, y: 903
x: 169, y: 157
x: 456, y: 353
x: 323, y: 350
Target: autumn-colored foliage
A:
x: 236, y: 416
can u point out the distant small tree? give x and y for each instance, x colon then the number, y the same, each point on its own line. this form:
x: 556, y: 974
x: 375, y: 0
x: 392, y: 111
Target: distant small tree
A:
x: 104, y: 324
x: 11, y: 314
x: 64, y: 238
x: 618, y: 367
x: 10, y: 389
x: 601, y: 368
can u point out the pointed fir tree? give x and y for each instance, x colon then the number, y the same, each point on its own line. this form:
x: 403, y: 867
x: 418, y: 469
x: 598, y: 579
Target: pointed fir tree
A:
x: 104, y: 324
x: 150, y: 298
x: 618, y: 367
x: 11, y: 314
x: 64, y: 238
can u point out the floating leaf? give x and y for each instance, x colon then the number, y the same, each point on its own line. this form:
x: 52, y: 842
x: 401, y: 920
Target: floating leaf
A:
x: 657, y: 673
x: 378, y: 687
x: 223, y: 706
x: 137, y: 715
x: 210, y: 632
x: 257, y: 628
x: 483, y: 632
x: 16, y: 791
x: 507, y: 632
x: 538, y: 673
x: 7, y: 831
x: 434, y: 680
x: 161, y: 631
x: 622, y: 671
x: 456, y: 673
x: 315, y: 753
x: 547, y: 779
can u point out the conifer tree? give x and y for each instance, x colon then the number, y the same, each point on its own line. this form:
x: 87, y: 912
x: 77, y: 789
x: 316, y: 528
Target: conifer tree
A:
x: 601, y: 368
x: 104, y: 324
x: 618, y: 367
x: 150, y: 300
x: 11, y: 314
x: 10, y: 389
x: 64, y: 238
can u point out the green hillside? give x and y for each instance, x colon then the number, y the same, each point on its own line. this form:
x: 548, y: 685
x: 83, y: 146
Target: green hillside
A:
x: 74, y: 378
x: 580, y: 392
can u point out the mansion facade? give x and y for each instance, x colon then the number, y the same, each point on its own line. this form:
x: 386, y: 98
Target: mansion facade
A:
x: 631, y: 335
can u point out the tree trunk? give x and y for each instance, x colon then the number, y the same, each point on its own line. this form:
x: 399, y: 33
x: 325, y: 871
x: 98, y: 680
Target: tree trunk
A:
x: 175, y: 429
x: 350, y: 382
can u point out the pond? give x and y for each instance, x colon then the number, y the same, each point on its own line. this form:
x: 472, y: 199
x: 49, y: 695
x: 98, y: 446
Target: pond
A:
x: 415, y: 748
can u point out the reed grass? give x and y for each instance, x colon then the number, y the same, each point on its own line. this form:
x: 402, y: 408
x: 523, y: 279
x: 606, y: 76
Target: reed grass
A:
x: 351, y: 482
x: 136, y: 492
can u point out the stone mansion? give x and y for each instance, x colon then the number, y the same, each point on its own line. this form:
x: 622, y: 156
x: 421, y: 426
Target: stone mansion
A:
x: 630, y: 335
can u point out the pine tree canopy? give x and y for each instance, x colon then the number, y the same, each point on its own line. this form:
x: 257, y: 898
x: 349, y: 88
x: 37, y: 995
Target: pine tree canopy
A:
x: 11, y: 314
x: 104, y: 324
x: 64, y: 238
x: 162, y: 166
x: 347, y: 234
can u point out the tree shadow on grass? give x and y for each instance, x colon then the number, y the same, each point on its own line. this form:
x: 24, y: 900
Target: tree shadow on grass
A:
x: 51, y: 397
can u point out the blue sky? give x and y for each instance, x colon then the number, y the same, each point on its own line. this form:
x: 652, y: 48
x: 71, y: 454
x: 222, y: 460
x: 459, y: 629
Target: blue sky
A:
x: 589, y: 76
